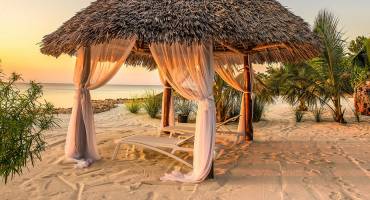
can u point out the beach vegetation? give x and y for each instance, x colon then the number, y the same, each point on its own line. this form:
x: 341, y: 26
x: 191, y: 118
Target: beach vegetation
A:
x: 134, y: 105
x: 325, y: 79
x: 227, y: 100
x: 258, y: 108
x: 263, y: 95
x: 152, y: 103
x: 357, y: 45
x: 317, y: 112
x: 360, y: 60
x: 357, y: 116
x: 183, y: 107
x: 331, y: 64
x: 24, y: 119
x: 295, y: 83
x: 299, y: 115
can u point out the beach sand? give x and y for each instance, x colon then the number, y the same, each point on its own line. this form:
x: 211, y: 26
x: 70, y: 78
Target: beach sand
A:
x: 288, y: 160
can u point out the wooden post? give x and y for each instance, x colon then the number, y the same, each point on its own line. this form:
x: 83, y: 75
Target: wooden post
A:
x: 211, y: 174
x: 248, y: 99
x: 167, y: 93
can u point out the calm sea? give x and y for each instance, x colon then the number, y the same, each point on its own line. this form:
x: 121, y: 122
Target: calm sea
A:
x: 61, y: 95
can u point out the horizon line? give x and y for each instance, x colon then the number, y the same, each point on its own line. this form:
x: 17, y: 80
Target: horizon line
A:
x: 117, y: 84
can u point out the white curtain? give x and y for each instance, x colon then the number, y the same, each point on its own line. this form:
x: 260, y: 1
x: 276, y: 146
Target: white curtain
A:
x: 95, y: 66
x: 230, y: 67
x: 189, y: 70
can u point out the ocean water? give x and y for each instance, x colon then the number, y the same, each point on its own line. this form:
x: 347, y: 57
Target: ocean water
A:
x: 61, y: 95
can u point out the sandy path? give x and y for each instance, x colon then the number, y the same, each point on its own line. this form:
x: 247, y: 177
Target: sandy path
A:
x: 288, y: 161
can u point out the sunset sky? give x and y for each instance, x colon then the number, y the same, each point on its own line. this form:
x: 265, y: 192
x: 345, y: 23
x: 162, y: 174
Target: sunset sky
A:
x: 23, y: 23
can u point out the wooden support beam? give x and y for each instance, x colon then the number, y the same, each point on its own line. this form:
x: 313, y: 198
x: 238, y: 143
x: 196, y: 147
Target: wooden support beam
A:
x: 211, y: 174
x: 254, y: 49
x: 233, y: 49
x: 270, y: 46
x: 167, y: 93
x: 248, y: 99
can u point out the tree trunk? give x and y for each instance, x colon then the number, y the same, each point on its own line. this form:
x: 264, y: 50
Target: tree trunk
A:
x: 302, y: 105
x: 167, y: 93
x: 248, y: 99
x: 338, y: 115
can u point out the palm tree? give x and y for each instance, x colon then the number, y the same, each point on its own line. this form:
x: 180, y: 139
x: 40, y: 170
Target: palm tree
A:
x: 331, y: 61
x: 295, y: 83
x: 262, y: 96
x: 360, y: 57
x: 357, y: 45
x: 227, y: 100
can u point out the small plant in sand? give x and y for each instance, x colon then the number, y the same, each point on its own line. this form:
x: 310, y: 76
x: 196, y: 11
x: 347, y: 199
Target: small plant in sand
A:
x: 317, y: 112
x: 134, y: 105
x: 298, y: 115
x: 152, y: 103
x: 23, y: 121
x: 258, y: 109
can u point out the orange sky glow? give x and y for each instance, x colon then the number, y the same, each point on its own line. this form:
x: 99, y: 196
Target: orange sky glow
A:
x: 23, y: 23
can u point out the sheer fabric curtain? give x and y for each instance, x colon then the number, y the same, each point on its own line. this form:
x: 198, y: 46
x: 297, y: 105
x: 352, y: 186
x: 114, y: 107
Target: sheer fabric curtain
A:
x: 230, y: 67
x: 95, y: 66
x: 189, y: 70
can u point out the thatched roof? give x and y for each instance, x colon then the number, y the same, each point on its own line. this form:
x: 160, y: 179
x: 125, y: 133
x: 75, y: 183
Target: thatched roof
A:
x: 262, y: 28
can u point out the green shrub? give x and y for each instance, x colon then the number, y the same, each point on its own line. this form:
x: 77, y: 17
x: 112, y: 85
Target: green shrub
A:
x: 23, y: 121
x: 183, y: 106
x: 134, y: 105
x: 299, y: 115
x: 152, y: 103
x: 258, y: 109
x: 317, y: 112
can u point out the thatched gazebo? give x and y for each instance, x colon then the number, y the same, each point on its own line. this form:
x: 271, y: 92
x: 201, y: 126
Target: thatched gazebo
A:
x: 226, y: 36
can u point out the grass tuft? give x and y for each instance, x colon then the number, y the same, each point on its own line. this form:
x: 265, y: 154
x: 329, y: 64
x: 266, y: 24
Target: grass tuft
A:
x: 152, y: 103
x: 299, y: 115
x: 134, y: 105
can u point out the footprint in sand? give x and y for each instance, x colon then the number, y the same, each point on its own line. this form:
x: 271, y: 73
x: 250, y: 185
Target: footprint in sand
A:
x: 335, y: 195
x: 306, y: 180
x: 151, y: 196
x: 349, y: 188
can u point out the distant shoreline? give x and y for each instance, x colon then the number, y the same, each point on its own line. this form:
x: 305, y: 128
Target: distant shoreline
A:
x: 99, y: 106
x: 61, y: 95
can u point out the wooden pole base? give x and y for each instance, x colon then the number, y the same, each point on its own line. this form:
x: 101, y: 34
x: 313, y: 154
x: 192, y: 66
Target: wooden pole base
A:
x: 211, y: 174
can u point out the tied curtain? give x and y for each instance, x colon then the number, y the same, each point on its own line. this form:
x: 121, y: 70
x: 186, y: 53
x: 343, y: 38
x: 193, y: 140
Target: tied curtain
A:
x: 189, y: 70
x: 230, y: 67
x: 95, y: 66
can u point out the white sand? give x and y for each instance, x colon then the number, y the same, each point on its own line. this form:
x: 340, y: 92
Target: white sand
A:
x: 289, y: 160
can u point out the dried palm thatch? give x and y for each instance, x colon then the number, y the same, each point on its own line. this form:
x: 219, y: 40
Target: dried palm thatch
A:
x: 261, y: 28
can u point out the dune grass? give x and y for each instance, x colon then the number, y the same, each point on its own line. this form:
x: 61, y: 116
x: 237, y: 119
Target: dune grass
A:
x: 299, y: 115
x: 152, y: 103
x: 134, y: 105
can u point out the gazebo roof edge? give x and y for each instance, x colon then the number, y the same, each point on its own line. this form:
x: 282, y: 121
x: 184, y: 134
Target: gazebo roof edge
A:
x: 263, y: 28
